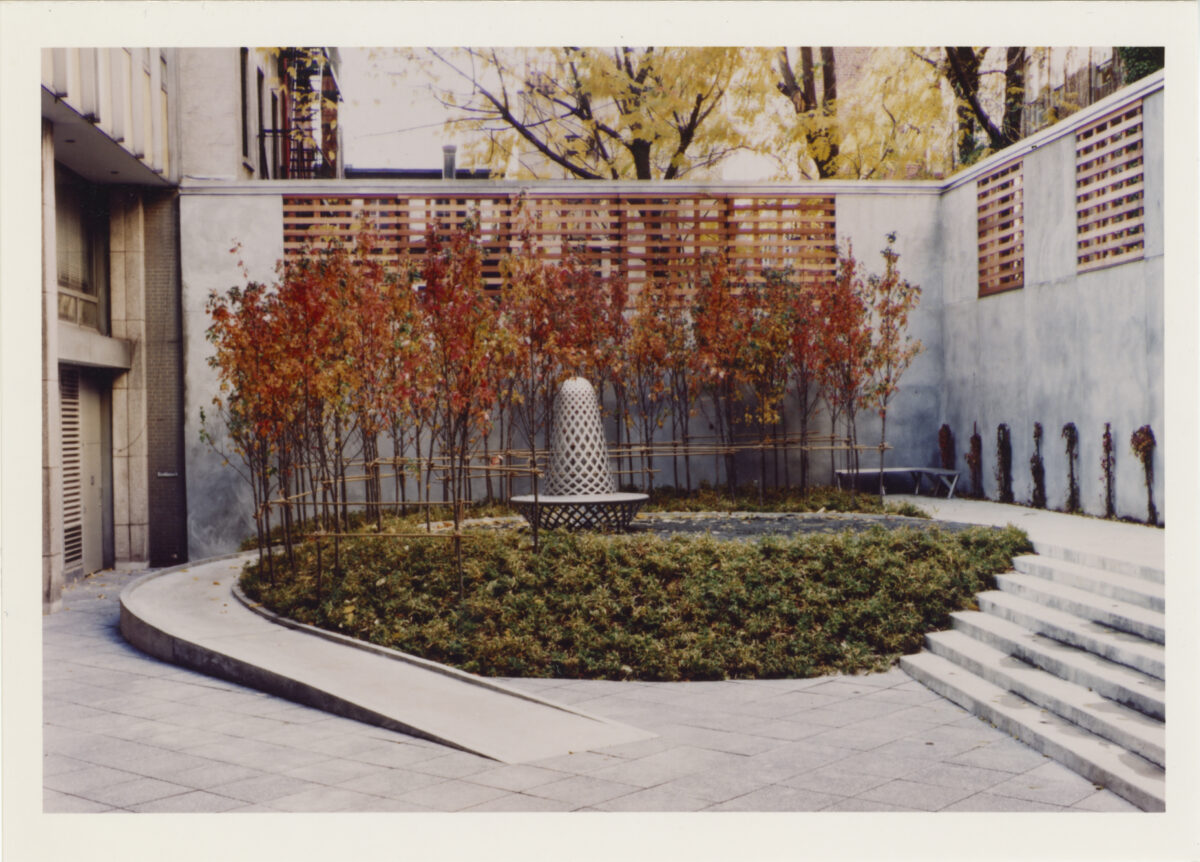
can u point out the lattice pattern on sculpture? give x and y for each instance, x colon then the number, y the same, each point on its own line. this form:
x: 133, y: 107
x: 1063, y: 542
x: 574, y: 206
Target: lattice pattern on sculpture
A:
x: 580, y: 490
x: 579, y: 455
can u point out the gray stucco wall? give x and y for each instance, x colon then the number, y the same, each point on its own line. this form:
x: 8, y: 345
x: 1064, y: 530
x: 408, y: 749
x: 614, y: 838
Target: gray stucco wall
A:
x: 219, y: 502
x: 1084, y: 348
x: 914, y: 411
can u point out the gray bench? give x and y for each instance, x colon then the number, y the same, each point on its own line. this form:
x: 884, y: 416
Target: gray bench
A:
x: 947, y: 479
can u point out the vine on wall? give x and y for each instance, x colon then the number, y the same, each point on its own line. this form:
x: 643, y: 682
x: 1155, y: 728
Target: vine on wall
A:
x: 1038, y: 468
x: 974, y: 459
x: 1142, y: 442
x: 1071, y: 434
x: 946, y: 447
x: 1108, y: 464
x: 1004, y: 463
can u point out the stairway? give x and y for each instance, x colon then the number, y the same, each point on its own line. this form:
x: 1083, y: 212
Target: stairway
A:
x: 1067, y: 656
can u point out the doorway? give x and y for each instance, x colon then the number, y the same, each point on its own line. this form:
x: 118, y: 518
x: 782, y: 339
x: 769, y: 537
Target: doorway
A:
x: 86, y: 401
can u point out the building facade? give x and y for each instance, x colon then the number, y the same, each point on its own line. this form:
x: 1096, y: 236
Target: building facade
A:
x: 121, y: 127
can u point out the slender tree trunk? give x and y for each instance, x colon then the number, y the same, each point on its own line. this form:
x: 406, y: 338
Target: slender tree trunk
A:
x: 882, y: 445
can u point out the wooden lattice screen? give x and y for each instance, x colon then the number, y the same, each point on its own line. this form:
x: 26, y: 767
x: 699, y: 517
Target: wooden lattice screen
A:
x: 1109, y: 190
x: 1001, y: 219
x: 631, y: 236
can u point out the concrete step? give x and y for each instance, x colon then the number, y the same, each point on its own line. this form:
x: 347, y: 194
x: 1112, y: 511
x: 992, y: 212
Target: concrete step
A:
x: 1126, y: 727
x: 1130, y: 650
x: 1116, y: 682
x: 1141, y: 782
x: 1093, y: 560
x: 1125, y: 588
x: 1088, y: 606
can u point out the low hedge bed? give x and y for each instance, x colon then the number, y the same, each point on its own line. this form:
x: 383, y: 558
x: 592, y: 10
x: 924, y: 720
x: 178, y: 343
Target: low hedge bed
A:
x: 645, y: 607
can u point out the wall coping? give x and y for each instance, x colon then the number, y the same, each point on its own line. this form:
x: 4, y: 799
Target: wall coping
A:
x: 605, y: 188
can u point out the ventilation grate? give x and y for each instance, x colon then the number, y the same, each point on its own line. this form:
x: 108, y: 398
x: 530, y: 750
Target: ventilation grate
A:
x: 72, y: 470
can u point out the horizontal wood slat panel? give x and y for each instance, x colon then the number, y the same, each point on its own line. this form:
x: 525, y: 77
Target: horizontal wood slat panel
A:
x: 636, y: 237
x: 1108, y: 127
x: 1109, y: 190
x: 1114, y: 218
x: 1112, y: 258
x: 999, y: 207
x: 1108, y: 171
x: 1136, y: 188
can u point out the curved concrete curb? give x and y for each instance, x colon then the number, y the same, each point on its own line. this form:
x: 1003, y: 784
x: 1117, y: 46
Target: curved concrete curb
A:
x: 188, y: 615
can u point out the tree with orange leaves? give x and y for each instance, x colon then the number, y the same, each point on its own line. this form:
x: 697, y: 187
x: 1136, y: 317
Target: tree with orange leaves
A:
x: 843, y: 356
x: 461, y: 337
x: 647, y: 357
x: 803, y: 324
x: 722, y: 329
x: 533, y: 296
x: 247, y: 404
x: 766, y: 361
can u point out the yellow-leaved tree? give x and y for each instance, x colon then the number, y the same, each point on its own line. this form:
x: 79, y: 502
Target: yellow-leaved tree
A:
x: 860, y: 113
x: 600, y: 113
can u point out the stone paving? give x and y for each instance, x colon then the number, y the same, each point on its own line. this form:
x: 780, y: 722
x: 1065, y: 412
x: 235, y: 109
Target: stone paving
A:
x: 125, y: 732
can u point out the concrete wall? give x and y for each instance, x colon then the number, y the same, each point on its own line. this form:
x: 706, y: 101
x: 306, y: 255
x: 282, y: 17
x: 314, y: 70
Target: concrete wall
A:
x: 219, y: 507
x: 210, y: 111
x: 1084, y: 348
x: 911, y: 211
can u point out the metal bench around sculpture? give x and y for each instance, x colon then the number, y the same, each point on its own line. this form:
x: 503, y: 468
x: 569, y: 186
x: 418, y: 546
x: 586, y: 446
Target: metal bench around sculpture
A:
x: 580, y: 491
x: 948, y: 479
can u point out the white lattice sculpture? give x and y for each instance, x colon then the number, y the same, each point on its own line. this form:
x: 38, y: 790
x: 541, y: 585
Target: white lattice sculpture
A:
x: 580, y: 491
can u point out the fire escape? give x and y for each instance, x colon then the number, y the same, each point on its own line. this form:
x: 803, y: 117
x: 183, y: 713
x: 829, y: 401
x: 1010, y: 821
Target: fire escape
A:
x: 303, y: 140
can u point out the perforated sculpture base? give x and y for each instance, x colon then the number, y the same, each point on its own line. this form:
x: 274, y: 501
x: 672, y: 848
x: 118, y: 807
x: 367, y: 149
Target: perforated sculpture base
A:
x: 580, y: 491
x: 581, y: 512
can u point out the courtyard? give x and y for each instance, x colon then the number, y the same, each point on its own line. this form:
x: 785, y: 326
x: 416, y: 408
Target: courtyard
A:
x: 274, y: 341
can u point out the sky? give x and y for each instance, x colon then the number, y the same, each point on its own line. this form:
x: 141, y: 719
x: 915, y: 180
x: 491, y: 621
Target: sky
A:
x: 389, y: 118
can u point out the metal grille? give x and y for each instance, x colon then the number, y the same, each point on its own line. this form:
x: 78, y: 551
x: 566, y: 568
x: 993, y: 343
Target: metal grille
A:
x: 1001, y: 219
x: 1110, y: 190
x: 72, y: 455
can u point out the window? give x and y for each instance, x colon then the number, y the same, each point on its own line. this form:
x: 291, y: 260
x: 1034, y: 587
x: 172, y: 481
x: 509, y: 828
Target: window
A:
x: 1001, y: 229
x: 244, y: 56
x: 80, y: 223
x: 262, y: 138
x: 275, y: 135
x: 1109, y: 190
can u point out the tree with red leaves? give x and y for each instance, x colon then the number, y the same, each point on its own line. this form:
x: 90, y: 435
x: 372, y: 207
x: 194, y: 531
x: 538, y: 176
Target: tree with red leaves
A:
x: 844, y: 348
x: 461, y: 336
x: 646, y: 361
x: 722, y: 330
x: 766, y: 362
x: 533, y: 301
x: 891, y: 300
x: 247, y: 404
x: 804, y: 321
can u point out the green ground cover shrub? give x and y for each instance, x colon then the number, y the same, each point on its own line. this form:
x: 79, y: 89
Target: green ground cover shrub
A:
x: 645, y: 607
x: 706, y: 499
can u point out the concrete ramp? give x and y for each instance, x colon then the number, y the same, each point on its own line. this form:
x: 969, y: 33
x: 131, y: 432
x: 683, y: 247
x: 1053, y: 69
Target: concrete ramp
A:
x: 195, y: 617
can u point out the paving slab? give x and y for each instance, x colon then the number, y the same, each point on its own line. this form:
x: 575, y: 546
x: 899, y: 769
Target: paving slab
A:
x: 1138, y: 545
x: 174, y: 710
